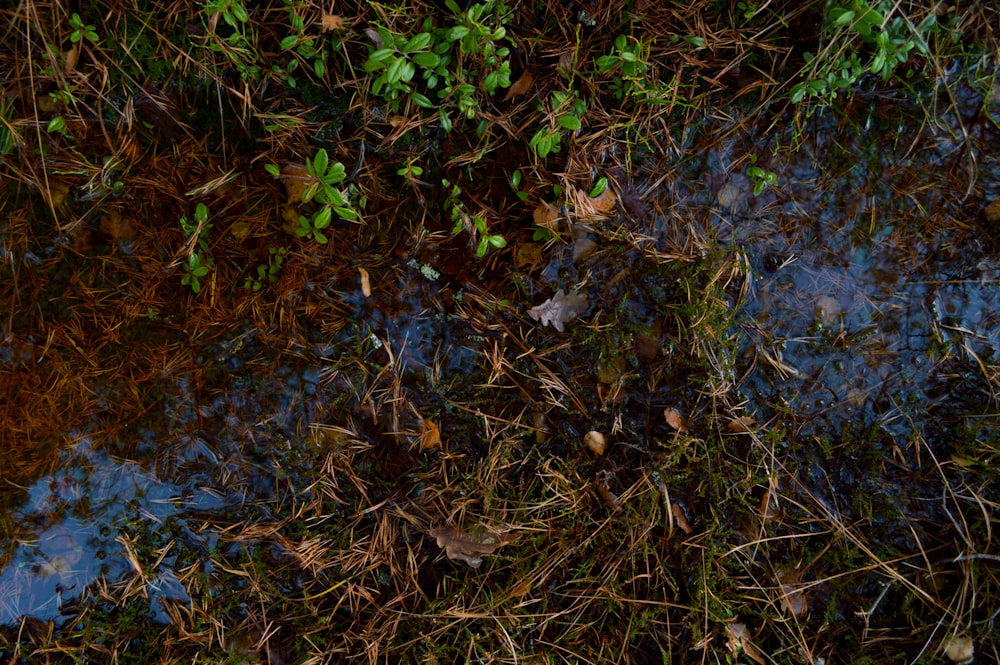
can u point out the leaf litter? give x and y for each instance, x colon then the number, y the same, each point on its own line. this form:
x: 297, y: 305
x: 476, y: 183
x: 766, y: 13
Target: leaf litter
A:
x: 460, y: 545
x: 560, y: 309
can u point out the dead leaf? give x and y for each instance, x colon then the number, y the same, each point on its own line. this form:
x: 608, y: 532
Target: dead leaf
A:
x: 461, y: 546
x: 992, y: 211
x: 117, y: 226
x: 740, y: 638
x: 587, y: 209
x: 959, y: 649
x: 769, y: 509
x: 793, y: 597
x: 520, y: 87
x: 376, y: 38
x: 595, y: 442
x: 297, y: 181
x: 546, y: 216
x: 332, y: 22
x: 560, y: 309
x: 240, y: 230
x: 366, y: 283
x: 527, y: 255
x: 675, y: 420
x: 605, y: 492
x: 430, y: 435
x: 680, y: 518
x: 741, y: 425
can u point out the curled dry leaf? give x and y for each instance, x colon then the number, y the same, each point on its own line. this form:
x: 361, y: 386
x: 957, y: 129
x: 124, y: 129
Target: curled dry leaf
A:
x: 461, y: 546
x: 521, y: 86
x: 430, y: 435
x: 366, y: 283
x: 678, y: 512
x: 297, y: 180
x: 740, y: 638
x: 675, y: 420
x: 332, y: 22
x: 959, y: 649
x: 595, y: 442
x: 560, y: 309
x: 546, y: 216
x: 769, y: 509
x: 741, y: 425
x: 793, y: 597
x: 587, y: 209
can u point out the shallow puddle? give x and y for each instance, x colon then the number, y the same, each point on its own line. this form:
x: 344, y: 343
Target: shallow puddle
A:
x: 870, y: 319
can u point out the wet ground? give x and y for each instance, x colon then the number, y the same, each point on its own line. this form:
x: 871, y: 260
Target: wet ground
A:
x: 866, y: 344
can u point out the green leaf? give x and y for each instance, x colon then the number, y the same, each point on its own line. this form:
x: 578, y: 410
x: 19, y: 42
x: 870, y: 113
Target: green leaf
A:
x: 319, y: 163
x: 56, y: 124
x: 322, y: 218
x: 272, y: 169
x: 346, y: 213
x: 599, y: 188
x: 319, y: 67
x: 395, y: 70
x: 427, y: 59
x: 570, y: 122
x: 421, y: 100
x: 418, y: 42
x: 497, y: 241
x: 289, y: 42
x: 201, y: 213
x: 320, y: 238
x: 457, y: 33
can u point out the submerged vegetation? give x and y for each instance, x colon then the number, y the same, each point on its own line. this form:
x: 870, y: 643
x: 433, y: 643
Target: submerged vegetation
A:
x: 499, y: 332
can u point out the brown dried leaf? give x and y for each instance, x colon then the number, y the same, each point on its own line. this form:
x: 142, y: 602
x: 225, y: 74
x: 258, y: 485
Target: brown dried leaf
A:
x: 769, y: 509
x: 546, y: 216
x: 960, y: 649
x: 117, y: 226
x: 595, y: 442
x: 992, y: 211
x: 297, y: 180
x: 675, y: 420
x: 430, y: 435
x: 366, y: 283
x: 741, y: 425
x: 587, y: 209
x: 461, y: 546
x: 560, y: 309
x: 332, y: 22
x: 793, y: 597
x: 681, y: 518
x: 740, y: 638
x: 521, y: 86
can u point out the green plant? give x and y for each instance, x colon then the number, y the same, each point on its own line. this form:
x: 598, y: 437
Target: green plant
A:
x: 196, y: 232
x: 565, y: 111
x: 761, y: 177
x: 237, y: 48
x: 81, y: 30
x: 323, y: 175
x: 861, y: 39
x: 475, y: 225
x: 515, y: 184
x: 266, y: 273
x: 411, y: 171
x: 301, y: 46
x: 454, y: 62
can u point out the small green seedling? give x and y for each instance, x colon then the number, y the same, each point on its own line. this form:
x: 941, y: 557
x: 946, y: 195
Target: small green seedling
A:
x: 762, y: 179
x: 197, y: 267
x: 81, y: 30
x: 267, y: 273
